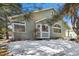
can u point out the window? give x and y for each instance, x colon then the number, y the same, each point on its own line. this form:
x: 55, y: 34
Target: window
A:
x: 44, y: 28
x: 18, y: 27
x: 57, y: 28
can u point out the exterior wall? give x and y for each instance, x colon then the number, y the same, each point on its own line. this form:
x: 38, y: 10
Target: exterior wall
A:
x: 31, y: 24
x: 58, y: 35
x: 47, y: 14
x: 29, y: 32
x: 52, y: 33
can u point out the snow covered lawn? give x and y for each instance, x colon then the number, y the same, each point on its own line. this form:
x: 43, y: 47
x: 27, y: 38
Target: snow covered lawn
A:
x: 44, y: 48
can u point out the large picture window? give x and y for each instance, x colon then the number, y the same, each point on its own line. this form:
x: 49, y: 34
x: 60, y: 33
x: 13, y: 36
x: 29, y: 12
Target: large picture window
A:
x: 18, y: 27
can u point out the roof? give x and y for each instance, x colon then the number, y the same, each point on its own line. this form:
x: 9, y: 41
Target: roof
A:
x: 32, y: 12
x: 43, y: 10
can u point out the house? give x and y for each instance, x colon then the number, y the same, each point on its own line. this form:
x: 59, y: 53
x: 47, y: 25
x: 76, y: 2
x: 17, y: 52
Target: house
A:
x: 37, y: 27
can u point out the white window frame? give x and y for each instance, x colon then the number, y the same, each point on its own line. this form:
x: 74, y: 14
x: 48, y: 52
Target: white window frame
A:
x: 53, y: 27
x: 44, y: 31
x: 19, y: 24
x: 45, y: 25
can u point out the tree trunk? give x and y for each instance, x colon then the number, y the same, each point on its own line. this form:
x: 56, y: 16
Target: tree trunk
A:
x: 7, y: 35
x: 68, y: 33
x: 75, y: 26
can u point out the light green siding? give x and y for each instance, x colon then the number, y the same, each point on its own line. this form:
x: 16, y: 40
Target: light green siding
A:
x: 29, y: 31
x: 52, y: 33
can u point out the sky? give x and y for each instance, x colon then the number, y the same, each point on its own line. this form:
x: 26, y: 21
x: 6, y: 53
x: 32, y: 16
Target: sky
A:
x: 56, y: 6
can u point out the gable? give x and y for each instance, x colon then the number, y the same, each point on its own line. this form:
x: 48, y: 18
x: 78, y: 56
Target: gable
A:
x: 42, y: 15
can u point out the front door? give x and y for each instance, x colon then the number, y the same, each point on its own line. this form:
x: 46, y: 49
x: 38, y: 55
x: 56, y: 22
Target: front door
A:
x: 43, y: 31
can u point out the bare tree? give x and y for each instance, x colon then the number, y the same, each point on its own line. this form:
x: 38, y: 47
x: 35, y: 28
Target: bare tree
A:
x: 6, y: 11
x: 71, y: 9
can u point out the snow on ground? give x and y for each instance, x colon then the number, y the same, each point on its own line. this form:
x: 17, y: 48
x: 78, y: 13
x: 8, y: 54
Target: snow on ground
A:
x: 44, y: 48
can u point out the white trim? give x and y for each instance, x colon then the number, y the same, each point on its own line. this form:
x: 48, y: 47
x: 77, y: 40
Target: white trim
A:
x: 41, y: 32
x: 53, y: 26
x: 56, y: 24
x: 40, y: 20
x: 56, y: 28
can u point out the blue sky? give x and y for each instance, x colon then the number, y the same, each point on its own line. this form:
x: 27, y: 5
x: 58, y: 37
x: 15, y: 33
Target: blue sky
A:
x: 57, y: 6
